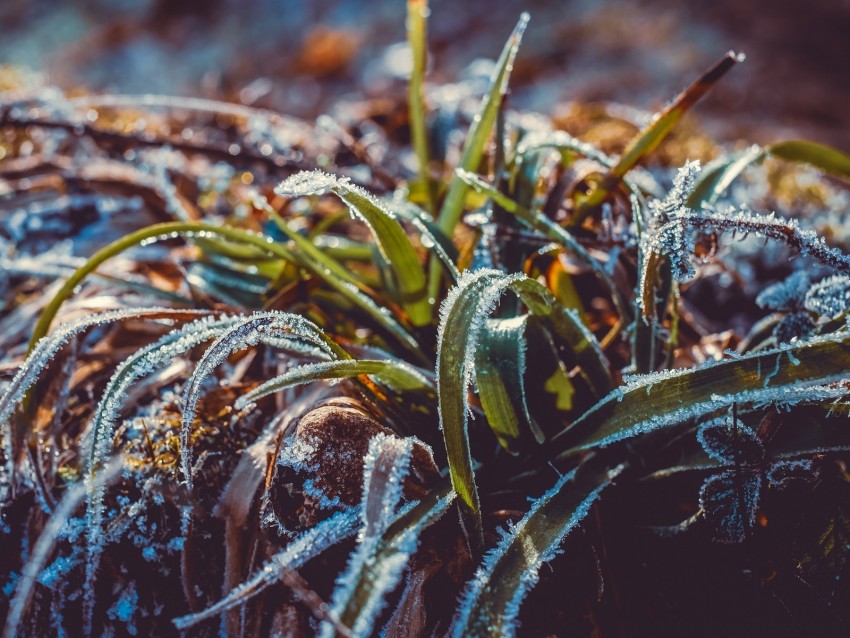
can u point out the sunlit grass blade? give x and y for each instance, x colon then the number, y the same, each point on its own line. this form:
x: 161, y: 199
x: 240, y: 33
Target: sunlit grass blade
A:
x: 650, y: 137
x: 417, y: 24
x: 434, y: 238
x: 825, y: 158
x: 476, y: 140
x: 664, y: 399
x: 392, y: 241
x: 172, y: 230
x: 491, y: 603
x: 500, y: 364
x: 479, y: 131
x: 556, y: 233
x: 463, y: 317
x: 398, y: 375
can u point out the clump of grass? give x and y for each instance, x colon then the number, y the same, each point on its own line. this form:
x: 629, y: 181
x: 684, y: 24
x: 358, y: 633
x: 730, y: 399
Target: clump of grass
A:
x: 282, y: 397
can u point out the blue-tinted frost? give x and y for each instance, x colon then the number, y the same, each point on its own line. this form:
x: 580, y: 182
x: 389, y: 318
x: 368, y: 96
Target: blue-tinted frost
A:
x: 310, y: 544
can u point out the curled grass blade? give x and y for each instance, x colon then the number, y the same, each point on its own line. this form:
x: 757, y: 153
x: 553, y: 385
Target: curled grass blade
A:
x: 172, y: 230
x: 259, y: 327
x: 463, y: 316
x: 42, y: 354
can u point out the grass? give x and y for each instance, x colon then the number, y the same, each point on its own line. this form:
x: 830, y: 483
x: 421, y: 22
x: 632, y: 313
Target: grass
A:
x: 281, y: 396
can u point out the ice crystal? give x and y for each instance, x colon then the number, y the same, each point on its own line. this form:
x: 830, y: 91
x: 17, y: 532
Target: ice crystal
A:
x: 40, y: 357
x: 243, y: 335
x: 829, y: 297
x: 310, y: 544
x: 316, y: 182
x: 533, y: 556
x: 787, y: 295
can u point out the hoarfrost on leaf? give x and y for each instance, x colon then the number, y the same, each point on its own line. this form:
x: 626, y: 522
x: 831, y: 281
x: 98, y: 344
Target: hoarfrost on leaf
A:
x: 787, y: 295
x: 829, y: 297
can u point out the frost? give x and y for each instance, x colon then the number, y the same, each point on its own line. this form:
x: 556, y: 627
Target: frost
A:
x: 310, y: 544
x: 533, y: 557
x: 125, y: 608
x: 58, y: 525
x: 40, y: 358
x: 786, y: 295
x: 726, y: 442
x: 314, y: 182
x: 385, y: 466
x: 730, y: 500
x: 143, y: 362
x: 829, y: 297
x: 377, y: 563
x: 244, y: 334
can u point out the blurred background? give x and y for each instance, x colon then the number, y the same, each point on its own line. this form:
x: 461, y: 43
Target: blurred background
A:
x: 302, y: 57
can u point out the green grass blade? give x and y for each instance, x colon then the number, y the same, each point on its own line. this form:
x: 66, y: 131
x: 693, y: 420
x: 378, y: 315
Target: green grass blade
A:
x: 500, y: 363
x: 717, y: 177
x: 171, y: 230
x: 463, y: 319
x: 668, y: 398
x: 417, y: 24
x: 392, y: 241
x: 396, y: 374
x: 479, y: 132
x: 476, y: 139
x: 825, y: 158
x: 650, y: 137
x: 490, y: 606
x: 554, y: 232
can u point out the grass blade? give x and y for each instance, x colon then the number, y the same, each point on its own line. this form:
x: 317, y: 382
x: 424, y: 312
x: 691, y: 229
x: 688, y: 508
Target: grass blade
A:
x: 650, y: 137
x: 479, y: 132
x: 392, y: 241
x: 417, y: 38
x: 462, y: 323
x: 825, y: 158
x: 390, y: 553
x: 333, y: 530
x: 490, y: 606
x: 664, y: 399
x: 399, y: 376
